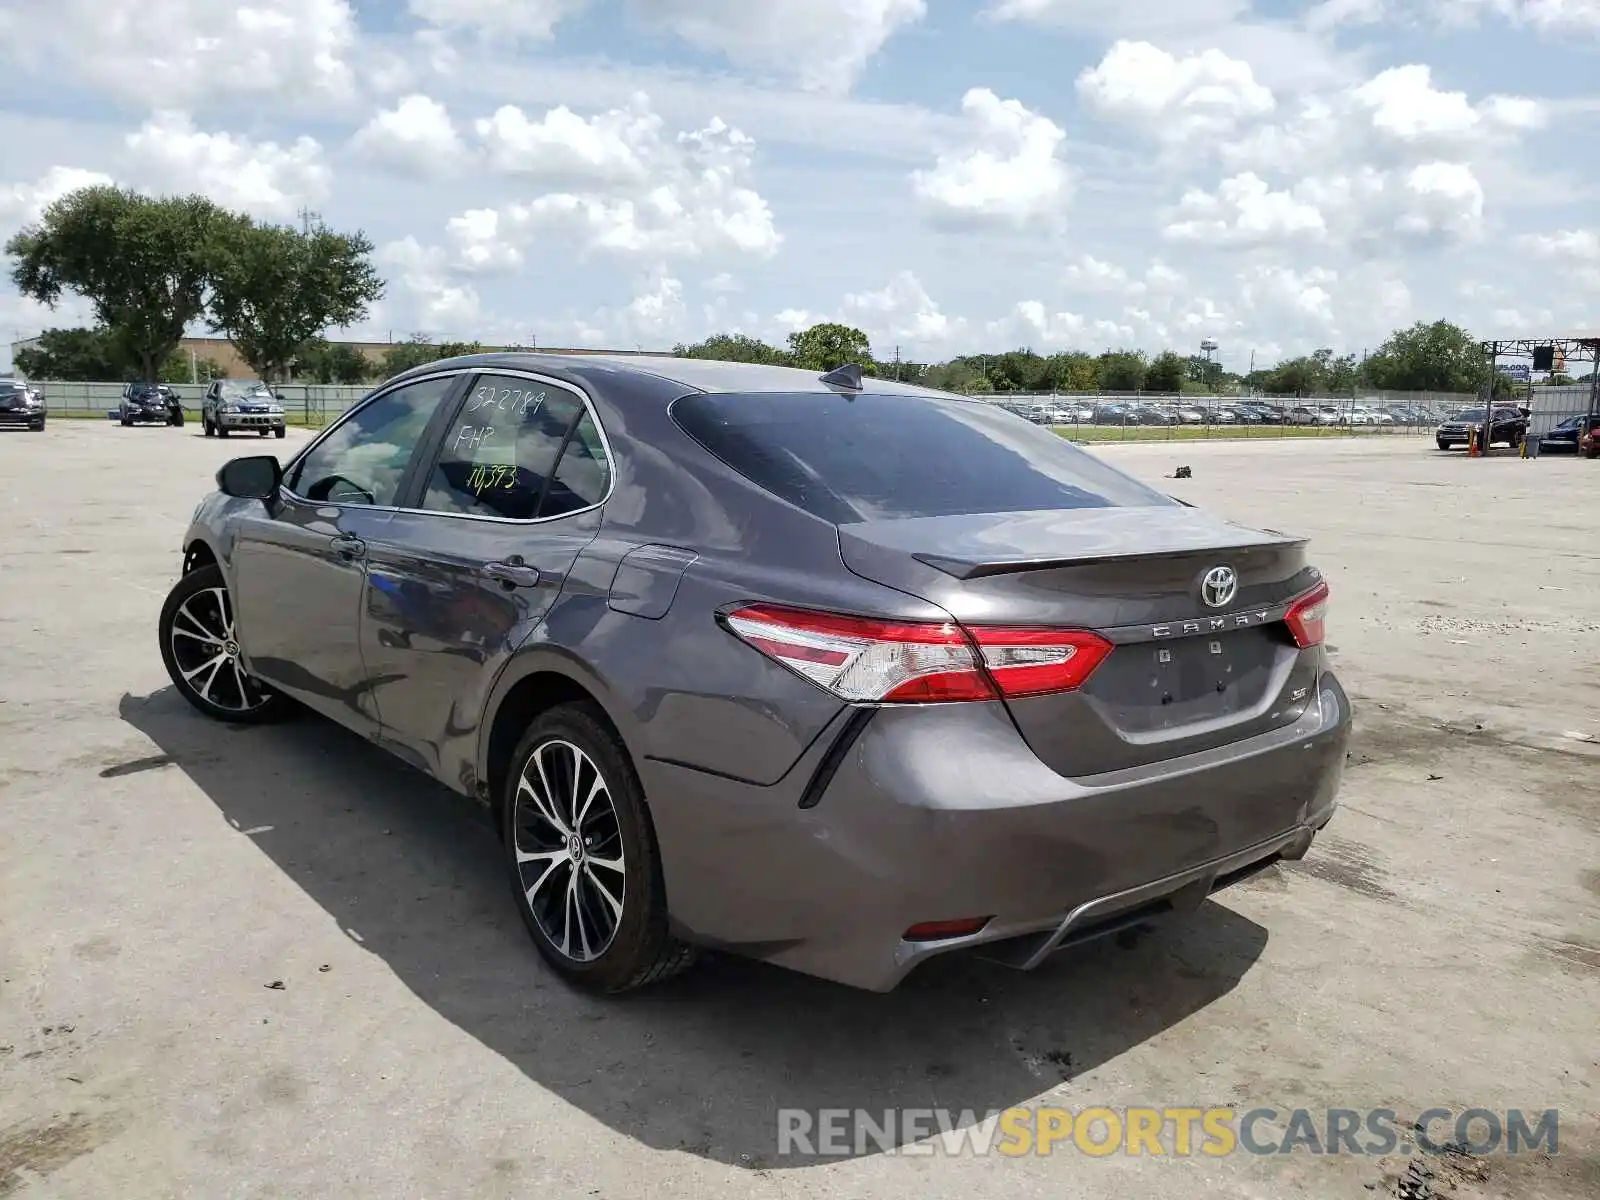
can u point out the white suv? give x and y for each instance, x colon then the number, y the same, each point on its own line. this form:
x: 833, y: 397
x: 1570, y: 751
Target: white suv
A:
x: 242, y: 406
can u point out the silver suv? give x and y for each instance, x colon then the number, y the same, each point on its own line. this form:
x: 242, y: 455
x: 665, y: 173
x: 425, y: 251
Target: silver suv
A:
x: 244, y: 406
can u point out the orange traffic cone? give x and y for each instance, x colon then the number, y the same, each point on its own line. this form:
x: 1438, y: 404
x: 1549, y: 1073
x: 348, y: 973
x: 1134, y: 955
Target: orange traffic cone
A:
x: 1472, y: 443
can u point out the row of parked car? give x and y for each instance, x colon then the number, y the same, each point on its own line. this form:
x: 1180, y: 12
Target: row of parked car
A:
x: 1232, y: 412
x: 229, y: 406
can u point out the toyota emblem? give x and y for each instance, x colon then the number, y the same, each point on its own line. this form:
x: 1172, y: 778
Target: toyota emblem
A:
x: 1219, y: 587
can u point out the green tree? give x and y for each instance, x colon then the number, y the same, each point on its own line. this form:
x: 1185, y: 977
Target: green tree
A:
x: 734, y: 347
x: 74, y: 356
x: 276, y: 287
x: 1438, y: 357
x: 828, y: 346
x: 1121, y: 370
x: 180, y: 368
x: 1304, y: 376
x: 320, y: 361
x: 143, y: 264
x: 1166, y: 373
x: 417, y: 350
x: 957, y: 375
x: 413, y: 352
x: 1074, y: 371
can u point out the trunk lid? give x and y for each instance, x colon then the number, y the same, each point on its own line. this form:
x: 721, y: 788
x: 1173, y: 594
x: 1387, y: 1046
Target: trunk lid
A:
x: 1186, y: 675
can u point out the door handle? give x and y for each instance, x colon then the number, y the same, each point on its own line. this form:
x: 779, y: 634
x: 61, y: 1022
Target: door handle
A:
x: 512, y: 574
x: 348, y: 547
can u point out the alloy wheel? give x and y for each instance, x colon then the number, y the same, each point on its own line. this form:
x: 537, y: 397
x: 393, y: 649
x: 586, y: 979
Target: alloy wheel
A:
x: 207, y: 654
x: 569, y: 852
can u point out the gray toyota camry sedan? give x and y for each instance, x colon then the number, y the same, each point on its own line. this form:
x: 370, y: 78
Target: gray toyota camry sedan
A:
x: 830, y: 671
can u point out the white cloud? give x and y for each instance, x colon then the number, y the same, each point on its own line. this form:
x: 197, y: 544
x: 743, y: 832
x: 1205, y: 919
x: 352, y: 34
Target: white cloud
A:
x: 609, y: 150
x: 261, y: 178
x: 1331, y: 14
x: 1244, y: 210
x: 532, y: 19
x: 1088, y: 273
x: 1007, y: 169
x: 1033, y: 325
x: 822, y: 44
x: 288, y: 51
x: 435, y: 304
x: 1178, y: 99
x: 24, y: 203
x: 656, y: 315
x: 1546, y: 16
x: 630, y: 189
x: 1571, y: 245
x: 1442, y: 199
x: 903, y: 314
x: 1099, y: 16
x: 415, y: 137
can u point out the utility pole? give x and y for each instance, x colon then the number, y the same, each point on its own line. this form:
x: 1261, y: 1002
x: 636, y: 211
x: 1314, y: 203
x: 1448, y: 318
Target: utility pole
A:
x: 897, y: 364
x: 307, y: 217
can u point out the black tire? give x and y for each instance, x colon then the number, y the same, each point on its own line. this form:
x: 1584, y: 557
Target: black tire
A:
x: 262, y: 432
x: 126, y: 423
x: 222, y: 431
x: 640, y: 950
x: 280, y: 431
x: 231, y: 686
x: 176, y: 421
x: 1441, y: 443
x: 205, y: 423
x: 38, y: 428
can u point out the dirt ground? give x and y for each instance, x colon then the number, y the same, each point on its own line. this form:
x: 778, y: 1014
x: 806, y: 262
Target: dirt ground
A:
x: 272, y: 962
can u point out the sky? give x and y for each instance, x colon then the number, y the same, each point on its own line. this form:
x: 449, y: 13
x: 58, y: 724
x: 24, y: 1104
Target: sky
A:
x: 951, y: 176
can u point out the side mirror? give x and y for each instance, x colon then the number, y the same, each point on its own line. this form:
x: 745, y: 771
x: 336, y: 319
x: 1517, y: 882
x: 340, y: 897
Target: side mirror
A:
x: 255, y: 477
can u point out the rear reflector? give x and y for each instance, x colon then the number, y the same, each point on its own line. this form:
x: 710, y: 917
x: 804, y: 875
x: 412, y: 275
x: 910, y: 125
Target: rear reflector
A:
x: 864, y: 660
x: 933, y: 931
x: 1308, y: 616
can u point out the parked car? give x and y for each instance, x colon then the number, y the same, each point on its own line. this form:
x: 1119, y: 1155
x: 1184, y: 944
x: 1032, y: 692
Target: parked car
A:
x: 1262, y: 412
x: 1221, y: 414
x: 149, y: 403
x: 242, y: 406
x: 21, y: 404
x: 1075, y: 414
x: 1301, y: 414
x: 854, y: 757
x: 1116, y: 414
x: 1589, y: 443
x: 1564, y: 438
x: 1189, y: 415
x: 1326, y: 414
x: 1153, y: 414
x: 1508, y: 427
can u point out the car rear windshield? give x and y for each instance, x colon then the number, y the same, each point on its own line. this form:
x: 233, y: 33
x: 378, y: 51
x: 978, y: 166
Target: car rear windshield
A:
x: 878, y: 457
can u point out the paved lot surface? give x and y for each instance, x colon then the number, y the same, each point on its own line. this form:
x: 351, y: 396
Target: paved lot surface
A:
x: 161, y: 876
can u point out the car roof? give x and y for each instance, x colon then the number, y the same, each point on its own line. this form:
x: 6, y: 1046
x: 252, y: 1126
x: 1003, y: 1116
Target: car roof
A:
x: 692, y: 374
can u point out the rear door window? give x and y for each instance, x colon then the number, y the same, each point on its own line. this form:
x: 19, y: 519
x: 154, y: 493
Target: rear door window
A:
x: 499, y: 457
x: 877, y: 457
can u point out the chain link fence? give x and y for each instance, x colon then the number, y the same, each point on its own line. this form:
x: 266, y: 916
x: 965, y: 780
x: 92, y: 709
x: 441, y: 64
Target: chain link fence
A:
x: 312, y: 404
x: 1088, y: 417
x: 1156, y: 416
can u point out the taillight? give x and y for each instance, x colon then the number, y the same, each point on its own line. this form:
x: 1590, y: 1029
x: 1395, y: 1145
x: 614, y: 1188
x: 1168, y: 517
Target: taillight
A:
x: 864, y: 660
x: 1308, y: 616
x: 1037, y: 662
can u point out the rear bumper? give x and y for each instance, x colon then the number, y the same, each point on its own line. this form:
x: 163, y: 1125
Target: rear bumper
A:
x: 944, y: 813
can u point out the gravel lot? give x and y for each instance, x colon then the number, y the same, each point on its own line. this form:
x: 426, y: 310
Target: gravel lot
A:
x: 272, y: 962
